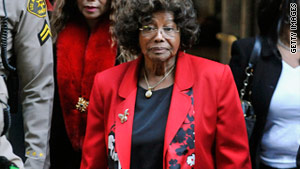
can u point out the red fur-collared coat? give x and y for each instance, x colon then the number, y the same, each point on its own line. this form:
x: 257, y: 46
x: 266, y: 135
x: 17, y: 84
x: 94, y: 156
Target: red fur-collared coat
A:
x: 80, y: 55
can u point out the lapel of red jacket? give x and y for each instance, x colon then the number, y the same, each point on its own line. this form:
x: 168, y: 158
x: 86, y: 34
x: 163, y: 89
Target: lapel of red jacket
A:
x: 127, y: 92
x: 180, y: 102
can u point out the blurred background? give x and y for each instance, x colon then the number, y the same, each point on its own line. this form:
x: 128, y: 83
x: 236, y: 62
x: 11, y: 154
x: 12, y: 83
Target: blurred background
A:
x: 223, y: 22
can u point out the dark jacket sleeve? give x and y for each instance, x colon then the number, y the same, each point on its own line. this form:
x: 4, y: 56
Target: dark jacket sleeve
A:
x: 298, y: 158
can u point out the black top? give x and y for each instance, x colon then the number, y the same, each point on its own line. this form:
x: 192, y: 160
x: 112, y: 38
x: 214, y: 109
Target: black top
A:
x: 150, y: 119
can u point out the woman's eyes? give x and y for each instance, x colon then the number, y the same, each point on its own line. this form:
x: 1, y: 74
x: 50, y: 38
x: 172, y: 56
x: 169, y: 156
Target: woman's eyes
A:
x: 168, y: 29
x: 152, y: 28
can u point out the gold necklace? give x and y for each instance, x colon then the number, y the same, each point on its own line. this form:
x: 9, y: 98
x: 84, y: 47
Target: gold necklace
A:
x: 148, y: 93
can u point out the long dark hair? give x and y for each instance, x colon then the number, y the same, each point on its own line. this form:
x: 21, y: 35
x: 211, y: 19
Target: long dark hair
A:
x: 273, y: 16
x: 64, y: 11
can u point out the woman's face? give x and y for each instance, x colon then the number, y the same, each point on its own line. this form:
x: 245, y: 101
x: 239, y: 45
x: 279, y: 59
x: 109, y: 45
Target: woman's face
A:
x: 92, y: 9
x: 160, y: 39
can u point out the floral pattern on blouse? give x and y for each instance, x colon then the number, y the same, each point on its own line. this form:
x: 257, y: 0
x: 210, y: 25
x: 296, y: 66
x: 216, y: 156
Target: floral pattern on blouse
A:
x: 191, y: 160
x: 113, y: 159
x: 181, y: 151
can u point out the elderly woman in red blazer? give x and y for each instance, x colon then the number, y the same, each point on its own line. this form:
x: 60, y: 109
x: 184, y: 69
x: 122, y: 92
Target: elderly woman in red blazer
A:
x: 167, y: 109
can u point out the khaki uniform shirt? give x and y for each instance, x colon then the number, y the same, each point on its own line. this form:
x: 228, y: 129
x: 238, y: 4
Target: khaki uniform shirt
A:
x: 29, y: 40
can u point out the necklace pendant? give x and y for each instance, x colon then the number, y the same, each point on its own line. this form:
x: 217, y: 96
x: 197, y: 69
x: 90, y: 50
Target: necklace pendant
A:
x: 148, y: 93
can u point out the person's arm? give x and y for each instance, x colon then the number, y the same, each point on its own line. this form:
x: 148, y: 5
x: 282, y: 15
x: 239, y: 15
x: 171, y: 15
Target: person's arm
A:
x: 34, y: 61
x: 94, y: 150
x: 232, y: 151
x: 5, y: 146
x: 7, y: 152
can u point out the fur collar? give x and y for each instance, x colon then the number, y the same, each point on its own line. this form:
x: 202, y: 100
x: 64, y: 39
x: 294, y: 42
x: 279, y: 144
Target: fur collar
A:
x: 80, y: 56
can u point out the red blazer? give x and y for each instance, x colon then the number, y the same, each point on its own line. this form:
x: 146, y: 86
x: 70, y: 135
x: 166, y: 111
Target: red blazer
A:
x: 219, y: 136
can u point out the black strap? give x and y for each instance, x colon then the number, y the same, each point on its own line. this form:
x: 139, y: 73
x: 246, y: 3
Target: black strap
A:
x: 255, y: 54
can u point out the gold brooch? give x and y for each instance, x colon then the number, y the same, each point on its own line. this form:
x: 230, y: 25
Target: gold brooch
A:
x: 82, y: 104
x: 123, y: 117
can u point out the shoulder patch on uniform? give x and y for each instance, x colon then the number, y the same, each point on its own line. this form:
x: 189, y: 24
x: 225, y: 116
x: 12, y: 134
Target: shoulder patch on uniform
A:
x: 44, y: 34
x: 37, y: 7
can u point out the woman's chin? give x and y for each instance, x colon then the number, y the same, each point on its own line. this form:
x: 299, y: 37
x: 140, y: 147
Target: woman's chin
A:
x: 160, y: 56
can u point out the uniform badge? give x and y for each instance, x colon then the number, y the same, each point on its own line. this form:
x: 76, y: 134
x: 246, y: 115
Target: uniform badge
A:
x: 37, y: 7
x: 44, y: 34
